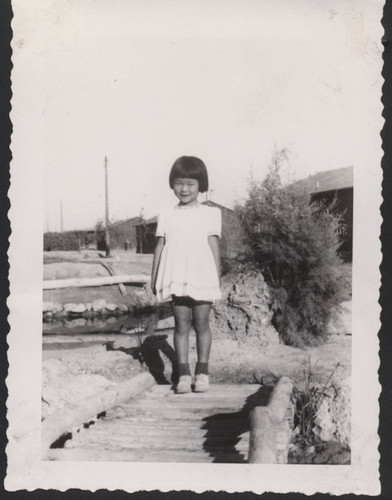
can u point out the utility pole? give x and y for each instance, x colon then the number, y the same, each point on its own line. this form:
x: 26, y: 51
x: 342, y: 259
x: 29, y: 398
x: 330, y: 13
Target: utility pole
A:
x: 107, y: 235
x: 61, y: 216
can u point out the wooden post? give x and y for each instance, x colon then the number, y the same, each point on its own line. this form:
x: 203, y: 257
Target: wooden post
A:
x: 107, y: 234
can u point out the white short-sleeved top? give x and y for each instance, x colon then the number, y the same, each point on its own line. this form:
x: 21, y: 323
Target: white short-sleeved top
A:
x: 187, y: 266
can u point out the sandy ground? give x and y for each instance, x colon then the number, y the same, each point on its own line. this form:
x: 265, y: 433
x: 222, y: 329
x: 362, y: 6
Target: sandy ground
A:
x: 230, y: 361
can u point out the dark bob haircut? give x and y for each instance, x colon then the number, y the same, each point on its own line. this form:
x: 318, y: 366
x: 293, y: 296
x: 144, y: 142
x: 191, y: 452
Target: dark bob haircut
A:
x: 192, y: 168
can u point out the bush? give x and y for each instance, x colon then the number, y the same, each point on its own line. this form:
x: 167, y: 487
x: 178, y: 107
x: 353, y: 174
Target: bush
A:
x: 295, y: 245
x: 61, y: 241
x: 100, y: 236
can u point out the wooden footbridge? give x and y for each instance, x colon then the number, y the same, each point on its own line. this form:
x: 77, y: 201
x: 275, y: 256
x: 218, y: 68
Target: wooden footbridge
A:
x: 227, y: 424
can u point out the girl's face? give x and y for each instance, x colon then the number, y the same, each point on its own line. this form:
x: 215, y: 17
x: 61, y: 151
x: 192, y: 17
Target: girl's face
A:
x: 186, y: 190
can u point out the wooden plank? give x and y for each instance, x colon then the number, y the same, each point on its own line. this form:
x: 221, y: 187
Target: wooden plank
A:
x: 247, y: 389
x: 163, y: 428
x: 110, y: 270
x: 215, y: 406
x: 184, y: 413
x: 214, y: 445
x: 175, y: 456
x: 144, y: 422
x: 96, y: 281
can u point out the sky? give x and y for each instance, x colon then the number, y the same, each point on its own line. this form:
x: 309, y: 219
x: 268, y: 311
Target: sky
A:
x: 144, y: 82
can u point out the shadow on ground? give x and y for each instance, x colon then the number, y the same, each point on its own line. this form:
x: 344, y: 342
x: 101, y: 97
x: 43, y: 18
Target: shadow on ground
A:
x: 224, y: 430
x: 150, y: 353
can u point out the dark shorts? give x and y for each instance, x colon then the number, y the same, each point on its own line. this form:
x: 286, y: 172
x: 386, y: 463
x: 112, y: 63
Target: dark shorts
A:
x: 188, y: 301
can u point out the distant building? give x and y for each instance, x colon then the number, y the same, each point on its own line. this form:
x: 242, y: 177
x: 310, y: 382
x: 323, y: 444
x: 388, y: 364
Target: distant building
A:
x: 145, y: 235
x: 123, y: 234
x: 335, y: 184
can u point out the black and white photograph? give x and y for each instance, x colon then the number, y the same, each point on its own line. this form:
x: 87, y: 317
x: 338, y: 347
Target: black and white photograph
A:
x: 194, y: 258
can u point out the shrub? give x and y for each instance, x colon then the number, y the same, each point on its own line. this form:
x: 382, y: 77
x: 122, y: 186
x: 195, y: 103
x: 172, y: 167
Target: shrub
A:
x: 234, y: 254
x: 294, y: 243
x: 100, y: 236
x: 61, y: 241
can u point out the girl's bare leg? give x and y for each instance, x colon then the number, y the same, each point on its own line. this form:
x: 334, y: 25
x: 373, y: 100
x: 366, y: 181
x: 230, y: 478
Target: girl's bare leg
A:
x: 201, y: 323
x: 182, y: 321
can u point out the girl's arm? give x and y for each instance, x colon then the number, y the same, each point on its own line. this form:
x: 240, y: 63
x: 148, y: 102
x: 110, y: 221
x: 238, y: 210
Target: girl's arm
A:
x: 155, y: 262
x: 214, y: 242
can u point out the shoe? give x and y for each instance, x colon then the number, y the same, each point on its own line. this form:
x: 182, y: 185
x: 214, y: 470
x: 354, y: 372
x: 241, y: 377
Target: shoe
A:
x: 201, y: 383
x: 184, y: 384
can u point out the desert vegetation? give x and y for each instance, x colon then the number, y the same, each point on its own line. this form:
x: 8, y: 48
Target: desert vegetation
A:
x: 294, y: 243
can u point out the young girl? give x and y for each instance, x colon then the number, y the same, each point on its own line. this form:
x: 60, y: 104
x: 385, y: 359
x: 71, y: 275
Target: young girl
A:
x: 186, y: 266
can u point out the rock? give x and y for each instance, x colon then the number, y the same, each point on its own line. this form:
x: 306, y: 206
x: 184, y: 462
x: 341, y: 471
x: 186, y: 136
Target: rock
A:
x: 144, y: 299
x: 89, y: 306
x: 333, y: 418
x: 74, y: 308
x: 111, y: 307
x: 48, y: 316
x: 141, y: 300
x: 67, y: 307
x: 99, y: 305
x: 244, y: 312
x: 51, y: 307
x: 99, y: 323
x: 111, y: 320
x: 47, y: 307
x: 122, y: 307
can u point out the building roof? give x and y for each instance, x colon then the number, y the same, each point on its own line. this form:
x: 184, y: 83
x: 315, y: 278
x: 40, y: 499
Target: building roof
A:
x: 329, y: 180
x: 132, y: 220
x: 152, y: 220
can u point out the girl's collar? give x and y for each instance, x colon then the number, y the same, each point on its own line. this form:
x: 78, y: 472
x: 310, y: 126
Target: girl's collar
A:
x: 187, y: 207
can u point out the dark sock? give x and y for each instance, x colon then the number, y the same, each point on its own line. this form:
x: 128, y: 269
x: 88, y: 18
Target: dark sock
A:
x: 201, y: 368
x: 183, y: 369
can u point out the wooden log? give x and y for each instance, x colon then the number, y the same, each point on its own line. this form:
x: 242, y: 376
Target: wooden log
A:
x: 65, y: 419
x: 96, y: 281
x: 270, y: 426
x: 262, y: 442
x: 280, y: 399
